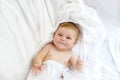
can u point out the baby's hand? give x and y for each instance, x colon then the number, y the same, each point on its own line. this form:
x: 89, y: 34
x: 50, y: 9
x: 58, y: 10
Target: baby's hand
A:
x: 79, y: 65
x: 36, y: 69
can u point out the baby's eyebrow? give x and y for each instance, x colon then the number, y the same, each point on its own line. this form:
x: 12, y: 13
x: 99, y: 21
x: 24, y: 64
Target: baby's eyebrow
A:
x: 60, y: 33
x: 70, y: 35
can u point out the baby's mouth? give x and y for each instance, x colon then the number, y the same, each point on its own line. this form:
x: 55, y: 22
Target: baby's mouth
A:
x: 62, y: 43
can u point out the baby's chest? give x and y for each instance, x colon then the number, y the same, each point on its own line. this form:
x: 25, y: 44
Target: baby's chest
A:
x: 60, y: 57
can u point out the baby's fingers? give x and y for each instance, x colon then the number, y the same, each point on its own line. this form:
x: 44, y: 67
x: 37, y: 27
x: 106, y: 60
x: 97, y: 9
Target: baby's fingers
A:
x: 36, y: 71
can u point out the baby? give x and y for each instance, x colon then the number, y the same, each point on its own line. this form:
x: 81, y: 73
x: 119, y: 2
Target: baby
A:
x: 55, y: 57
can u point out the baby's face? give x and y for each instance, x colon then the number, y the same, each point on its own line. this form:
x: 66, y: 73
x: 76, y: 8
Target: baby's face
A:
x: 64, y: 38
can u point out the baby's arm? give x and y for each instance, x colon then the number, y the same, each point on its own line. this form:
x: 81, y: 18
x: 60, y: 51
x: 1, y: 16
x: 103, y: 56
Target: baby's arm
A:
x: 37, y: 62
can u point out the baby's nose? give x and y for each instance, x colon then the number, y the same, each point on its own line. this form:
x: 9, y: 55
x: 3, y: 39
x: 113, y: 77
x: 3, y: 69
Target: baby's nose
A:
x: 63, y: 38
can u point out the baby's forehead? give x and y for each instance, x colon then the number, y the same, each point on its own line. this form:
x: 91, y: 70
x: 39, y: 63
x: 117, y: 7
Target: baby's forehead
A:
x: 68, y: 32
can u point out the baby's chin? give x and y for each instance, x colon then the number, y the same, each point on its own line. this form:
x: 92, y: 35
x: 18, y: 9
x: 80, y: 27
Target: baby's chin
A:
x: 62, y: 49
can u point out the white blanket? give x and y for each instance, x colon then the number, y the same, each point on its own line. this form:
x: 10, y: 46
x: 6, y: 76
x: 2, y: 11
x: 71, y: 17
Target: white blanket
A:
x: 52, y: 70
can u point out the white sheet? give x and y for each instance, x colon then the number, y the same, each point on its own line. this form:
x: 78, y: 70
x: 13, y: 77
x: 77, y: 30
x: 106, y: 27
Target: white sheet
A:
x: 111, y: 51
x: 22, y: 27
x: 114, y: 46
x: 108, y: 10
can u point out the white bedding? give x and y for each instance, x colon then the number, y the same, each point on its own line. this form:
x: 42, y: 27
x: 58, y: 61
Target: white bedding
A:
x: 22, y: 27
x: 108, y: 11
x: 25, y: 24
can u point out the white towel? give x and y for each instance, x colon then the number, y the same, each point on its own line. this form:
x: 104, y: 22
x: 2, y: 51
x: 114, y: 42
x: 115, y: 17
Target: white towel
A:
x: 51, y: 70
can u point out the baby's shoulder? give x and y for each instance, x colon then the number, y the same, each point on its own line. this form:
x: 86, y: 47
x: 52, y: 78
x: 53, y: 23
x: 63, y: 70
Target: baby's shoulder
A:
x: 47, y: 46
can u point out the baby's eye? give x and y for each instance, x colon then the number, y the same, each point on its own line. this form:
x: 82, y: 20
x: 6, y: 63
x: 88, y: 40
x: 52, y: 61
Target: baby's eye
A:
x: 68, y: 37
x: 60, y: 34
